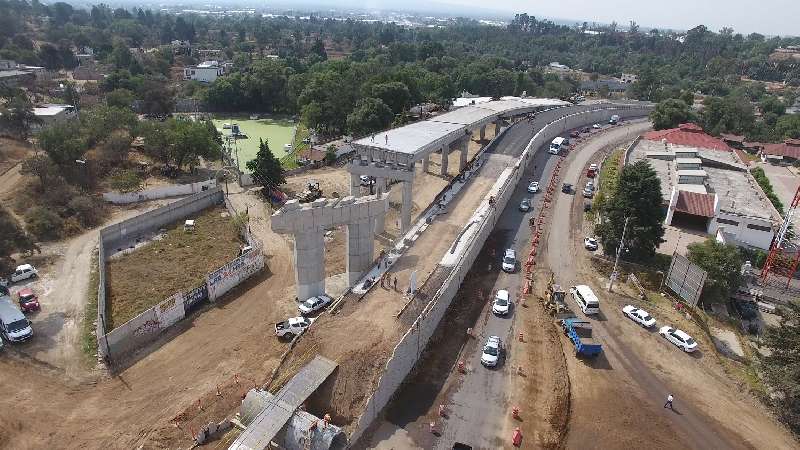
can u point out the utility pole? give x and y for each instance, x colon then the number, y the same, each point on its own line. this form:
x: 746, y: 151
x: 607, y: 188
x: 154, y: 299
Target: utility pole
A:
x: 620, y: 248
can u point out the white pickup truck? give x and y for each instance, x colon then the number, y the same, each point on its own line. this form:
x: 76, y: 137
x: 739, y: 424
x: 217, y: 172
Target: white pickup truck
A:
x: 293, y: 326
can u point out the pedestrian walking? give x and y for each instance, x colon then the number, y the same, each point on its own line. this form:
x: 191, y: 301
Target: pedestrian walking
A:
x: 395, y: 283
x: 668, y: 404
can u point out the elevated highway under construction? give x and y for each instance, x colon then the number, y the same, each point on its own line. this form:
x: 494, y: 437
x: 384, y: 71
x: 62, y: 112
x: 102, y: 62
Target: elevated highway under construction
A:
x: 378, y: 330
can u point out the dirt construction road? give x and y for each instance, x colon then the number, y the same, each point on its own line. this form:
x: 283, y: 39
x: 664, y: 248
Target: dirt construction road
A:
x: 625, y: 388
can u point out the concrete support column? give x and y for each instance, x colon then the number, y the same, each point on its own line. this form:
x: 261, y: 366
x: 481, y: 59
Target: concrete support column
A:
x: 355, y: 185
x: 497, y: 128
x: 360, y: 249
x: 405, y: 210
x: 380, y: 188
x: 483, y: 132
x: 462, y: 160
x: 309, y: 269
x: 445, y: 157
x: 426, y: 162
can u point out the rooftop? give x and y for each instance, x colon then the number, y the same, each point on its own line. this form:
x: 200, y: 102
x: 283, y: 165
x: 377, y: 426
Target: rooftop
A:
x: 51, y: 109
x: 689, y: 135
x: 725, y: 176
x: 789, y: 148
x: 695, y: 203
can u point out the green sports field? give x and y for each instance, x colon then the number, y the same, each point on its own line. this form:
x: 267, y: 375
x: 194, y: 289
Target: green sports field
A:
x: 277, y: 131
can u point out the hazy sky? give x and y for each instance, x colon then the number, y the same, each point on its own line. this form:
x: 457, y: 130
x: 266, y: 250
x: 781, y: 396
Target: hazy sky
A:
x: 770, y: 17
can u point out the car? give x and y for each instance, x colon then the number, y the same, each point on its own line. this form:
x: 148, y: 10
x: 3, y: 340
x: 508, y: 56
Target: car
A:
x: 597, y: 126
x: 314, y: 304
x: 525, y: 205
x: 28, y: 301
x: 591, y: 172
x: 533, y: 187
x: 293, y: 326
x: 575, y: 134
x: 566, y: 188
x: 509, y: 260
x: 366, y: 180
x: 586, y: 130
x: 590, y: 243
x: 639, y: 316
x: 491, y: 351
x: 588, y: 193
x: 587, y: 206
x: 679, y: 338
x: 24, y: 272
x: 502, y: 303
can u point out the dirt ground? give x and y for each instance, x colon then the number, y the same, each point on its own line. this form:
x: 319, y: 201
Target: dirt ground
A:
x: 12, y: 152
x: 175, y: 261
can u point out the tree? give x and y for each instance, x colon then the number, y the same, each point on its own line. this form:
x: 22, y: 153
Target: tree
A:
x: 63, y: 143
x: 369, y: 115
x: 266, y: 168
x: 44, y: 223
x: 119, y: 98
x: 12, y: 239
x: 192, y: 140
x: 18, y: 116
x: 40, y: 166
x: 723, y: 264
x: 330, y: 154
x: 116, y: 146
x: 782, y: 365
x: 788, y: 126
x: 156, y: 98
x: 71, y: 96
x: 670, y: 113
x: 126, y: 181
x: 394, y: 94
x: 637, y: 197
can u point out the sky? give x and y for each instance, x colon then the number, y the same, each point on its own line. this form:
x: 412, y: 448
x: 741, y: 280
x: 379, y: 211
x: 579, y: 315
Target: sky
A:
x: 768, y: 17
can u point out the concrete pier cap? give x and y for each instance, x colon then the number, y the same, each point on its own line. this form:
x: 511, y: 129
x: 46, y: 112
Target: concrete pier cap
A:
x: 307, y: 222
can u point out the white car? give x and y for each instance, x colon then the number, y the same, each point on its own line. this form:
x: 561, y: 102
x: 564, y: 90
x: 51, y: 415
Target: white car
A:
x: 314, y: 304
x: 679, y: 338
x: 590, y: 243
x: 24, y: 272
x: 639, y: 316
x: 509, y: 260
x: 502, y: 303
x: 491, y: 351
x: 533, y: 187
x: 596, y: 126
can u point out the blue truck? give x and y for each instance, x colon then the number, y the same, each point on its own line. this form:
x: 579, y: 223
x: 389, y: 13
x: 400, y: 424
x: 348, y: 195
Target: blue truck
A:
x: 580, y: 333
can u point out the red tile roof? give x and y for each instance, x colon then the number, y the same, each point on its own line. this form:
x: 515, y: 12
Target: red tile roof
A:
x: 690, y: 135
x: 695, y: 203
x: 789, y: 148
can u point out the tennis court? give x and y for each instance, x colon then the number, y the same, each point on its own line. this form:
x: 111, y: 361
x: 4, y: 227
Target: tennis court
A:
x: 277, y: 131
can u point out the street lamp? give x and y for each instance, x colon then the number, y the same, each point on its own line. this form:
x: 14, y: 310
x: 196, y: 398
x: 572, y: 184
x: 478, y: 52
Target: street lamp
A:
x: 620, y: 247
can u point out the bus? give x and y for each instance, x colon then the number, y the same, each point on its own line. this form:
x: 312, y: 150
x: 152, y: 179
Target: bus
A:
x: 556, y: 145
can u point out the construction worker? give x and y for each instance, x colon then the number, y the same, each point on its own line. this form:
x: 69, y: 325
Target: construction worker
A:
x: 395, y: 283
x: 669, y: 402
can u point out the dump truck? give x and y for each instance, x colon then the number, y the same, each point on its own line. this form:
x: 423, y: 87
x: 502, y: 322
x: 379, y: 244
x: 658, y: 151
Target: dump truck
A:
x: 580, y: 333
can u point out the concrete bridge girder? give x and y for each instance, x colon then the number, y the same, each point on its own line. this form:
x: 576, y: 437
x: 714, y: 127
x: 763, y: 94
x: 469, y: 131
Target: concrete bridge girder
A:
x: 383, y: 172
x: 308, y: 223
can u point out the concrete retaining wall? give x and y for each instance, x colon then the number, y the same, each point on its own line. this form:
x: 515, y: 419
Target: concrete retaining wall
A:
x: 120, y: 234
x: 156, y: 193
x: 413, y: 343
x: 100, y: 326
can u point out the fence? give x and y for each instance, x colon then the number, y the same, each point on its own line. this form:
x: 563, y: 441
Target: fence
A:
x: 146, y: 327
x: 120, y: 198
x: 411, y: 346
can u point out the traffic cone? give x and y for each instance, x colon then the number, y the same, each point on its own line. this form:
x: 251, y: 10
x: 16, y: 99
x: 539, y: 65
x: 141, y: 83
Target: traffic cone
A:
x: 461, y: 367
x: 521, y: 337
x: 515, y: 412
x: 516, y: 438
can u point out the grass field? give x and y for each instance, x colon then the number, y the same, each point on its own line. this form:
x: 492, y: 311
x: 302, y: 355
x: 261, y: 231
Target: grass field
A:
x: 277, y: 131
x: 176, y: 263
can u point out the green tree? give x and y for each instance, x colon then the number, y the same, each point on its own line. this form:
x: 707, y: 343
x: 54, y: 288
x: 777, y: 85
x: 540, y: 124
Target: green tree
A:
x: 71, y: 95
x: 330, y: 154
x: 782, y: 365
x: 44, y: 223
x: 369, y: 115
x: 17, y: 116
x: 12, y: 239
x: 670, y: 113
x: 40, y: 166
x: 63, y: 143
x: 637, y: 197
x: 120, y: 98
x: 192, y: 140
x: 266, y: 168
x: 723, y: 264
x: 126, y: 181
x: 788, y: 127
x: 394, y: 94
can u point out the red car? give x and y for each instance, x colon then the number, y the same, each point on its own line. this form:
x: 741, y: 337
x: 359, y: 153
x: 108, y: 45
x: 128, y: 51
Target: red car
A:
x: 28, y: 301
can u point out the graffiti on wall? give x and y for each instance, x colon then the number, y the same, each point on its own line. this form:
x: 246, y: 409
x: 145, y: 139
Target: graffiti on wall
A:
x: 170, y: 310
x: 149, y: 327
x: 228, y: 276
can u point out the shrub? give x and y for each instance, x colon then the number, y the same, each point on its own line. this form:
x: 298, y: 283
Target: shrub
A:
x: 86, y: 210
x: 126, y: 181
x: 44, y: 223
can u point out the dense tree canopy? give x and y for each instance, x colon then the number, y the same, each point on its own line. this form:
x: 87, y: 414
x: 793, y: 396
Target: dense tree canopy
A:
x: 723, y: 265
x: 782, y: 366
x: 266, y: 168
x: 670, y: 113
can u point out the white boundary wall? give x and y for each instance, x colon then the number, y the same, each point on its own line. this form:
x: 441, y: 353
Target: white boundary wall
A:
x: 231, y: 274
x: 120, y: 198
x: 413, y: 343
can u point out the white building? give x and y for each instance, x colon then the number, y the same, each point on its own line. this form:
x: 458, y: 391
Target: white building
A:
x: 205, y: 72
x: 50, y: 114
x: 557, y: 66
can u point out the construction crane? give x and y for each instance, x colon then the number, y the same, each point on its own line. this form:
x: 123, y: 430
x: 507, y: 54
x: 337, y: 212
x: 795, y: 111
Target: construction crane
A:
x: 784, y: 253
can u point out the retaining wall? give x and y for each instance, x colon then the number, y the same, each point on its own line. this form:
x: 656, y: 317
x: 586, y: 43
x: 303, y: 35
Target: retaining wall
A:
x: 146, y: 327
x: 413, y: 343
x: 120, y: 198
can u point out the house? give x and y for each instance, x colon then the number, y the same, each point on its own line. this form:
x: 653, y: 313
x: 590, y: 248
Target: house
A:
x: 629, y: 78
x: 205, y: 72
x: 557, y: 66
x: 788, y: 151
x: 50, y: 114
x: 614, y: 86
x: 705, y: 186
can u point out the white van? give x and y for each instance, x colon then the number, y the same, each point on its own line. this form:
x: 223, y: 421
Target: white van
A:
x: 13, y: 324
x: 556, y: 145
x: 585, y: 299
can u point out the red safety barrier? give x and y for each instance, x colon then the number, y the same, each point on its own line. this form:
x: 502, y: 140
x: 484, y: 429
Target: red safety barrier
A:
x: 530, y: 260
x: 526, y: 290
x: 461, y: 367
x: 516, y: 438
x: 515, y: 410
x: 521, y: 337
x: 441, y: 410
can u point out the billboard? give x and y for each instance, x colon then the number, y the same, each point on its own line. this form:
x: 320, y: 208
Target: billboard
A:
x: 685, y: 279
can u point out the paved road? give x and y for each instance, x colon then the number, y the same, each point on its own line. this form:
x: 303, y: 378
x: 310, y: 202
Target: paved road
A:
x: 563, y: 248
